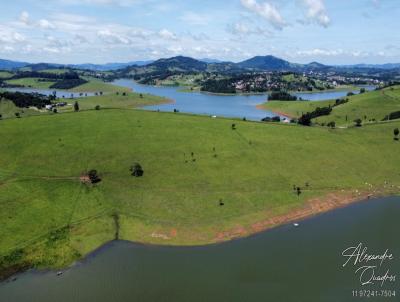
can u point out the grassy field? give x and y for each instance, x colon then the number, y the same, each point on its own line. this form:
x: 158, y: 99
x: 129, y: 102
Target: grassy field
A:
x: 8, y: 110
x: 367, y: 106
x: 94, y: 85
x: 191, y: 164
x: 112, y: 100
x: 293, y: 108
x: 5, y: 74
x: 31, y: 83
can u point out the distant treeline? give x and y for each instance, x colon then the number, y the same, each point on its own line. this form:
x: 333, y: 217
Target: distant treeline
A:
x: 25, y: 100
x: 281, y: 96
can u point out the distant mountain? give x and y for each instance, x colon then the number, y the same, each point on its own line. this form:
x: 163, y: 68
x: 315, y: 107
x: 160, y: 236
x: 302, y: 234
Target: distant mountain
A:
x: 110, y: 66
x: 210, y: 61
x: 9, y: 65
x: 268, y: 63
x: 375, y: 66
x: 179, y: 63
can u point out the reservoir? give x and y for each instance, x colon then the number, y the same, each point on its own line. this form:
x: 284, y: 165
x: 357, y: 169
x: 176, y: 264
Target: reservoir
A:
x: 288, y: 263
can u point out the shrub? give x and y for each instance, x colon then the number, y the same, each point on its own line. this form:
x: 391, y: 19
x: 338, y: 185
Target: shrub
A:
x: 358, y: 122
x: 97, y: 107
x: 93, y: 176
x: 137, y: 170
x: 331, y: 124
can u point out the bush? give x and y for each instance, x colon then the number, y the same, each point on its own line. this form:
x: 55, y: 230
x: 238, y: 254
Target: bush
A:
x: 271, y: 119
x: 331, y: 124
x: 358, y: 122
x: 137, y: 170
x: 93, y: 176
x: 97, y: 107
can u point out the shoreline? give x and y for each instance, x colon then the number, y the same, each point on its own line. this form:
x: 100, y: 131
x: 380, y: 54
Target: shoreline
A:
x: 260, y: 107
x: 313, y: 207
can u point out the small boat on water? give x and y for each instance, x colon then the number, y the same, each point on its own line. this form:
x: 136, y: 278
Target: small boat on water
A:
x: 296, y: 224
x: 59, y: 273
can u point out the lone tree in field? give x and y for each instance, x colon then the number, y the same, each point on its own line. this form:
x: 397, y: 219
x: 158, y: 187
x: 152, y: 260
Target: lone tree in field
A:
x: 233, y: 126
x: 137, y: 170
x: 17, y: 114
x: 97, y: 107
x: 93, y: 176
x: 76, y: 106
x: 396, y: 134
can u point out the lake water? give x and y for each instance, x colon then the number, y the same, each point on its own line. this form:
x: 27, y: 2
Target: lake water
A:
x: 284, y: 264
x: 237, y: 106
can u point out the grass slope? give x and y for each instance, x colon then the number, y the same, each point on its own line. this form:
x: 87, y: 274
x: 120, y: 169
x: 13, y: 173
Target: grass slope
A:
x: 31, y: 83
x: 49, y: 218
x: 367, y: 106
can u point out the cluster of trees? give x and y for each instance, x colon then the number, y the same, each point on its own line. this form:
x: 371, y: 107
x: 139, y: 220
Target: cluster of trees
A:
x: 271, y: 119
x: 25, y: 100
x: 339, y: 102
x: 281, y: 96
x: 218, y: 86
x: 305, y: 119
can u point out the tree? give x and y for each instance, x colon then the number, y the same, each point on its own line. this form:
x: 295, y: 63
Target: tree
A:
x: 358, y: 122
x: 0, y: 116
x: 17, y: 114
x: 97, y: 107
x: 396, y: 134
x: 137, y: 170
x: 76, y: 106
x: 141, y: 96
x: 55, y: 110
x: 362, y: 90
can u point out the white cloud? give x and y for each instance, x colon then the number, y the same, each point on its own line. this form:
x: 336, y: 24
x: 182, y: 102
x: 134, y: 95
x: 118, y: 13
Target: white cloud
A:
x: 319, y: 52
x: 316, y: 11
x: 267, y: 11
x: 123, y: 3
x: 45, y: 24
x: 194, y: 18
x: 24, y: 18
x: 244, y: 30
x: 167, y: 35
x: 112, y: 37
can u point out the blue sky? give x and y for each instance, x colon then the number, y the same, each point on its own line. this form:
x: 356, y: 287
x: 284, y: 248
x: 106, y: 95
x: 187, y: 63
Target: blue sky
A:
x: 100, y: 31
